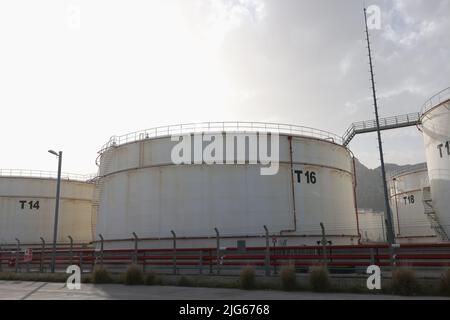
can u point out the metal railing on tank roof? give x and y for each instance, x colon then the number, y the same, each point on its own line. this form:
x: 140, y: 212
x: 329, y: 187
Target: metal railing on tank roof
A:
x: 436, y: 99
x: 410, y: 169
x: 26, y: 173
x: 226, y: 126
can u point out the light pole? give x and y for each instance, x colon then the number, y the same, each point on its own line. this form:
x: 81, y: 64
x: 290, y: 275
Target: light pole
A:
x: 58, y: 188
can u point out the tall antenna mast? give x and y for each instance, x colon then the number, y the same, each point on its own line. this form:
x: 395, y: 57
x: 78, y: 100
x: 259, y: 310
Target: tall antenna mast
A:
x: 388, y: 217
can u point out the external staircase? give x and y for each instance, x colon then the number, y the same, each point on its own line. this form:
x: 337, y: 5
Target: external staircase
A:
x: 431, y: 214
x: 400, y: 121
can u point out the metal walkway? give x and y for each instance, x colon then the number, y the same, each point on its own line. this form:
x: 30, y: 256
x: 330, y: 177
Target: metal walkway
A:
x: 405, y: 120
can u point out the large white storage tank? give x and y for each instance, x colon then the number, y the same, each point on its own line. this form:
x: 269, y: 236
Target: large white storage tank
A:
x: 435, y: 126
x: 143, y: 191
x: 371, y: 226
x: 27, y: 207
x: 412, y: 221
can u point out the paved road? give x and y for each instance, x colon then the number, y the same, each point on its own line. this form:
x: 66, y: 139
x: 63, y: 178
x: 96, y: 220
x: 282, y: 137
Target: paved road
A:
x: 21, y: 290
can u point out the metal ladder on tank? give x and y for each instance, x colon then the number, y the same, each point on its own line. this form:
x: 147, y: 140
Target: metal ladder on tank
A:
x: 431, y: 214
x: 95, y: 205
x: 99, y: 188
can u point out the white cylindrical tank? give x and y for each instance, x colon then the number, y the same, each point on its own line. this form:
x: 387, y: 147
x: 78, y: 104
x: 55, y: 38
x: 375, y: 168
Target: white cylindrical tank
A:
x: 27, y: 207
x: 435, y: 126
x: 143, y: 191
x: 371, y: 226
x: 412, y: 224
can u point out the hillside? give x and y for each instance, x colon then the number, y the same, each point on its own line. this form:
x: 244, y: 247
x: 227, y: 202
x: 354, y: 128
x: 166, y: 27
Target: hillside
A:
x: 369, y: 188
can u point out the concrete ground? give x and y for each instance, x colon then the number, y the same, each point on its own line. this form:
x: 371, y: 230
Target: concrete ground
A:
x: 23, y: 290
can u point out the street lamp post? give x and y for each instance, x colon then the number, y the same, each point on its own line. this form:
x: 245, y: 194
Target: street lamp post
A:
x: 58, y: 188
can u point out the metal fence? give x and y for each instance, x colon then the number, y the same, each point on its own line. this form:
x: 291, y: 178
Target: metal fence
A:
x: 266, y: 259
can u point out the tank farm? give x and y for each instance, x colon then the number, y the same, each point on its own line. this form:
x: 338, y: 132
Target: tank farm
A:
x: 217, y: 196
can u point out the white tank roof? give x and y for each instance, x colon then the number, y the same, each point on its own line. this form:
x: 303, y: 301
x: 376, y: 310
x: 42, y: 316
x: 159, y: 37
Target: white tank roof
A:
x: 225, y: 126
x: 436, y: 100
x: 28, y: 173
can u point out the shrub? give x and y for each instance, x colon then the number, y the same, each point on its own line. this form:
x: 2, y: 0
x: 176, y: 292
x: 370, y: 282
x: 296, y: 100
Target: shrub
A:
x: 86, y: 279
x: 152, y: 279
x: 404, y: 282
x: 100, y: 275
x: 45, y: 277
x: 247, y: 278
x: 444, y: 285
x: 288, y: 278
x: 134, y: 275
x: 185, y: 282
x: 319, y: 279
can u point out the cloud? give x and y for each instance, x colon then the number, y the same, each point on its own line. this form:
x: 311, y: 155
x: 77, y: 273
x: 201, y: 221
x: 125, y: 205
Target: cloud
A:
x: 216, y: 18
x: 144, y: 64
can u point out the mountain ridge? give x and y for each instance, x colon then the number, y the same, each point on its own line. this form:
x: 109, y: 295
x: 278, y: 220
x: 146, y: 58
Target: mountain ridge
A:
x: 369, y: 184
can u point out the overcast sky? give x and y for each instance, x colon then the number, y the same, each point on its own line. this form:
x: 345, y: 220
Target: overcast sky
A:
x: 74, y: 73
